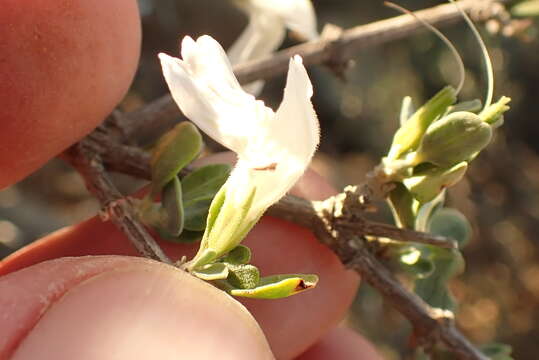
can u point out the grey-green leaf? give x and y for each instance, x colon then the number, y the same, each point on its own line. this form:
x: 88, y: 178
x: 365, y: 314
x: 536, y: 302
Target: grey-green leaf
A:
x: 241, y: 254
x: 173, y: 152
x: 211, y: 272
x: 452, y: 224
x: 171, y: 199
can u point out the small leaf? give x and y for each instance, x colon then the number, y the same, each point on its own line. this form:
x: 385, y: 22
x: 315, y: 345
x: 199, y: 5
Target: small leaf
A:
x: 173, y: 152
x: 211, y: 272
x: 243, y: 276
x: 470, y: 106
x: 452, y: 224
x: 205, y: 182
x: 171, y: 199
x: 278, y: 286
x: 425, y: 186
x: 196, y: 214
x: 413, y: 262
x: 241, y: 254
x: 494, y: 112
x: 403, y: 206
x: 186, y: 237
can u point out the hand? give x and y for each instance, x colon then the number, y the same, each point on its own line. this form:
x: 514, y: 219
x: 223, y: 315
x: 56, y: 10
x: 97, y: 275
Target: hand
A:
x: 103, y: 307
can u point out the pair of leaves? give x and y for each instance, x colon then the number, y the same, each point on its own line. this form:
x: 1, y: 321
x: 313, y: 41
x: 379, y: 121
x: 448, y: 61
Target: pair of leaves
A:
x: 185, y: 203
x: 235, y: 275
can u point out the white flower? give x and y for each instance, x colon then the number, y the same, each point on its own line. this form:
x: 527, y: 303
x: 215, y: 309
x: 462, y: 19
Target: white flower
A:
x: 268, y: 20
x: 273, y: 148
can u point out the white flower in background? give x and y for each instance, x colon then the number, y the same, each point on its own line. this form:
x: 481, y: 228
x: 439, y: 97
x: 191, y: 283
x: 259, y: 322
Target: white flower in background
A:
x: 268, y: 21
x: 273, y: 148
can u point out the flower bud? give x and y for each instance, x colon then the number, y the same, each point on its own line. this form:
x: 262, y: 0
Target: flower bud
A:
x: 408, y: 137
x: 453, y: 139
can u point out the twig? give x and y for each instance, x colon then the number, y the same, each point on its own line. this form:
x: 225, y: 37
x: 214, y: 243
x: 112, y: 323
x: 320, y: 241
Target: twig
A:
x: 114, y: 206
x: 333, y: 52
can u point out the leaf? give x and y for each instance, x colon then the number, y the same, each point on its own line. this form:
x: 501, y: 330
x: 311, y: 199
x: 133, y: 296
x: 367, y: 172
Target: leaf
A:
x: 241, y: 254
x: 171, y: 199
x: 187, y: 237
x: 205, y: 182
x: 427, y: 185
x: 413, y: 262
x: 426, y: 210
x: 210, y: 272
x: 173, y: 152
x: 199, y: 188
x: 243, y: 276
x: 278, y: 286
x: 452, y: 224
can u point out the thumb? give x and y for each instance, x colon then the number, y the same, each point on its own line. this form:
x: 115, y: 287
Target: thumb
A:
x: 112, y: 307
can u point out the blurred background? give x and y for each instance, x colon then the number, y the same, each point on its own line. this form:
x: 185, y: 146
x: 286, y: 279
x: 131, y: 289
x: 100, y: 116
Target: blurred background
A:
x: 499, y: 291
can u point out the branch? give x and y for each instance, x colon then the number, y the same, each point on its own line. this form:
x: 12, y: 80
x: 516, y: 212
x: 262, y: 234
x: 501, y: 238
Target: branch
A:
x: 114, y: 207
x: 333, y: 52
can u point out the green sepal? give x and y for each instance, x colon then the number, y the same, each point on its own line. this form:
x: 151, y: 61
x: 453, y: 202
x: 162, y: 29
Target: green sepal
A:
x: 240, y: 255
x: 408, y: 137
x: 453, y: 139
x: 171, y: 198
x: 407, y: 110
x: 497, y: 351
x: 212, y: 272
x: 426, y: 185
x: 452, y: 224
x: 244, y: 276
x: 226, y: 226
x: 199, y: 188
x: 492, y: 114
x: 173, y: 152
x: 403, y: 206
x: 278, y: 286
x: 528, y: 8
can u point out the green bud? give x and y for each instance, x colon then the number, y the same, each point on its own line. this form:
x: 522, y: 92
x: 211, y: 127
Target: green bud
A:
x: 408, y: 137
x: 428, y: 184
x: 453, y: 139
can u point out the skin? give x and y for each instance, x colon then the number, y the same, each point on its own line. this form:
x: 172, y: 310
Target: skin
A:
x: 290, y: 325
x: 64, y: 66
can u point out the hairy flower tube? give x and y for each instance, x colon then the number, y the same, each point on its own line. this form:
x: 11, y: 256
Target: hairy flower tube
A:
x: 268, y: 21
x: 273, y: 148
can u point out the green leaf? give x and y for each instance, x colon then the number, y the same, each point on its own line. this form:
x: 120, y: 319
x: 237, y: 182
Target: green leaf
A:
x: 171, y: 198
x: 452, y: 224
x: 408, y: 137
x: 241, y: 254
x: 278, y: 286
x: 470, y: 106
x: 173, y: 152
x: 426, y: 185
x: 186, y: 237
x: 403, y: 206
x: 243, y: 276
x: 196, y: 214
x: 205, y: 182
x: 211, y: 272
